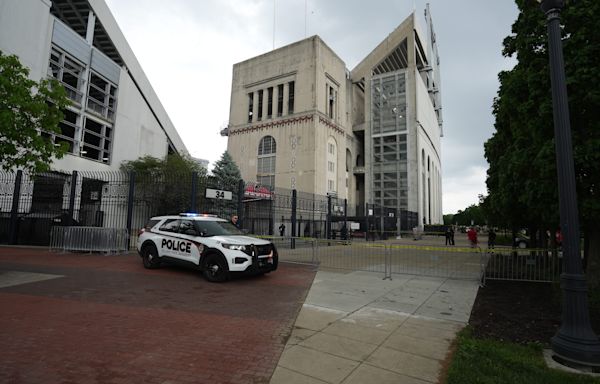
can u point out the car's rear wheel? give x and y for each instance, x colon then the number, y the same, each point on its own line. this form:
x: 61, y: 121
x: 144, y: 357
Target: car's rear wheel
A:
x: 215, y: 268
x: 150, y: 257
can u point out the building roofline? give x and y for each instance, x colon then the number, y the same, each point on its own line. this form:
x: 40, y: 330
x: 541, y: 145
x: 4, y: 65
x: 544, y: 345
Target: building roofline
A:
x: 315, y: 38
x: 383, y: 48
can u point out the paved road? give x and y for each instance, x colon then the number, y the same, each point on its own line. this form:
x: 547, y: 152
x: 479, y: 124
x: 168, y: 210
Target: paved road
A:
x: 89, y: 318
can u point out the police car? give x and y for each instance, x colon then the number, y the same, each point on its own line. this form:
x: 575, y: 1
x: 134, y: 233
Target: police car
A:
x: 212, y: 245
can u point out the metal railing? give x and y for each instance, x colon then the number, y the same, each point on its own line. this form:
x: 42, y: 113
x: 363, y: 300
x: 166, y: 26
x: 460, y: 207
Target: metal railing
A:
x: 382, y: 257
x: 89, y: 239
x: 539, y: 265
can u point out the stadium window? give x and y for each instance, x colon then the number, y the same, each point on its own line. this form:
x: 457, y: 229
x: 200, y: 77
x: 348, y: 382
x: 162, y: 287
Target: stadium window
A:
x: 279, y: 100
x: 291, y: 97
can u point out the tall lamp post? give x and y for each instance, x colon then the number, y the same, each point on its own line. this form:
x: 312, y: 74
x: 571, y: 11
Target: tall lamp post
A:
x: 575, y: 342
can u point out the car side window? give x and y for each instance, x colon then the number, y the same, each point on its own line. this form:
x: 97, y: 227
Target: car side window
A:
x: 171, y: 225
x: 187, y: 228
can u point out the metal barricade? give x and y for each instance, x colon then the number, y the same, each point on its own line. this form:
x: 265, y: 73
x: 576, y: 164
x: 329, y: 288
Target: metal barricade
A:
x: 89, y: 239
x: 541, y: 265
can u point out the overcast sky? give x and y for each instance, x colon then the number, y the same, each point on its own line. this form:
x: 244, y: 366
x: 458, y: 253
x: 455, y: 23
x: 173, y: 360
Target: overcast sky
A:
x: 187, y: 49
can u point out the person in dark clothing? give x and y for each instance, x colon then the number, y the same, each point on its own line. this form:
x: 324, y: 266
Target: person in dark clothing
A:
x: 447, y: 234
x: 344, y: 232
x: 451, y: 235
x: 281, y: 229
x: 491, y: 239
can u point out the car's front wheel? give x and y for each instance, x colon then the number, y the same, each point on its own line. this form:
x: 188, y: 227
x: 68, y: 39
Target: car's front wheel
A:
x: 150, y: 257
x: 215, y: 268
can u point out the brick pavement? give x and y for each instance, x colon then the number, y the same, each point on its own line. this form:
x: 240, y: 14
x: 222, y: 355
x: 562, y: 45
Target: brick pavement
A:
x: 108, y: 320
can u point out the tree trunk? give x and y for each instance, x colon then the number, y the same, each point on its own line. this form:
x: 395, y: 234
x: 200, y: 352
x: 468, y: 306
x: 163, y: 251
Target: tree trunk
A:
x: 593, y: 257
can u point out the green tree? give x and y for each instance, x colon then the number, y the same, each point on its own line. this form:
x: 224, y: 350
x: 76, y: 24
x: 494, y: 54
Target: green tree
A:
x: 28, y: 109
x: 172, y: 164
x: 227, y: 173
x: 226, y: 176
x: 164, y: 186
x: 470, y: 215
x: 449, y: 219
x: 522, y: 180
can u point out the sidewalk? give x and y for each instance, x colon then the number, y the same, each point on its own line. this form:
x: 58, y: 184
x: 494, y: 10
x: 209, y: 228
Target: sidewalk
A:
x: 356, y: 328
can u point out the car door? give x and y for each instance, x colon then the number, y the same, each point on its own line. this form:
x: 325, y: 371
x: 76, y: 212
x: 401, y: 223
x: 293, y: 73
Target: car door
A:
x: 169, y: 237
x: 189, y: 234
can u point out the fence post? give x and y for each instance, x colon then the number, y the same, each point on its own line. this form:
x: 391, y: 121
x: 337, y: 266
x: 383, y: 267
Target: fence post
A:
x: 367, y: 221
x: 346, y: 220
x: 294, y: 197
x: 72, y: 198
x: 194, y: 192
x: 328, y: 218
x: 240, y: 203
x: 388, y: 262
x: 130, y: 205
x: 14, y: 213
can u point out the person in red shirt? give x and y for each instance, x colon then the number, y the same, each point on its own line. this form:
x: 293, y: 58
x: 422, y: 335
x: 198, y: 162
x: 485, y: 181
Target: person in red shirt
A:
x: 472, y: 235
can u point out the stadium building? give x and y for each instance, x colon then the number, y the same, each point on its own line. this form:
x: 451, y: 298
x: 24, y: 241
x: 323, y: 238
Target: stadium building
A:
x: 299, y: 119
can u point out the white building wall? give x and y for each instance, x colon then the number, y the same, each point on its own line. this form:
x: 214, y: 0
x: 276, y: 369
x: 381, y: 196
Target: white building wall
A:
x: 429, y: 141
x: 26, y: 31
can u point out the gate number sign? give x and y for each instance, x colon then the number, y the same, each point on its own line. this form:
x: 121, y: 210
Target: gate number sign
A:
x: 217, y: 194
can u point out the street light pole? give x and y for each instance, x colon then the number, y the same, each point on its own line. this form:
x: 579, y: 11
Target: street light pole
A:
x: 575, y: 342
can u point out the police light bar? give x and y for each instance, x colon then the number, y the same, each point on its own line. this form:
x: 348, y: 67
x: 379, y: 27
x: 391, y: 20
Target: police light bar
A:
x: 191, y: 214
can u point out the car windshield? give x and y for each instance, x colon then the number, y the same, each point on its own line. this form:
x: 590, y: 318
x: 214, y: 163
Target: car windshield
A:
x: 217, y: 228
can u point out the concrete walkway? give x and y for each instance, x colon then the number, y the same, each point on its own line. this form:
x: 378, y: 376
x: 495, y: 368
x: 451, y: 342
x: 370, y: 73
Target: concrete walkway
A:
x: 356, y: 328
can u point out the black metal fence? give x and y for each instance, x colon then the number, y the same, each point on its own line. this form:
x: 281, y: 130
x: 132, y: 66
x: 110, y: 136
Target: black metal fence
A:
x: 31, y: 205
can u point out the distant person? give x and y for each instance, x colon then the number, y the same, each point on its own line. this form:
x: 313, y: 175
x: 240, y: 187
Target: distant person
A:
x: 558, y: 237
x: 447, y: 234
x: 451, y: 235
x: 472, y: 235
x: 491, y: 239
x: 234, y: 221
x: 344, y: 232
x: 281, y: 229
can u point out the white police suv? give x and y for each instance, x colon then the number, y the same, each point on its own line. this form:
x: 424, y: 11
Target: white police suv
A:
x: 206, y: 242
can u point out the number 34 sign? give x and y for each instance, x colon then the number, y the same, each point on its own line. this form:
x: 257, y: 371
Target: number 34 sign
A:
x: 217, y: 194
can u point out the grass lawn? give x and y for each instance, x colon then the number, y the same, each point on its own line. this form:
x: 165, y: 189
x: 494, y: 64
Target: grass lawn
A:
x: 496, y: 362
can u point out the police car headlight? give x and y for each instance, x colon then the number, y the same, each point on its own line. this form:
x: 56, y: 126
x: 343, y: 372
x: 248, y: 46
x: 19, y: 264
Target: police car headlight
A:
x: 234, y: 247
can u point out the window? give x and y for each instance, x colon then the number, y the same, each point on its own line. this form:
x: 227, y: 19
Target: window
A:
x: 250, y: 106
x: 291, y: 98
x: 265, y: 169
x: 101, y: 97
x: 84, y: 136
x: 279, y: 100
x: 68, y: 71
x: 188, y: 228
x: 269, y: 102
x: 260, y: 105
x: 331, y: 164
x: 97, y: 139
x: 171, y: 225
x: 68, y: 129
x: 331, y: 102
